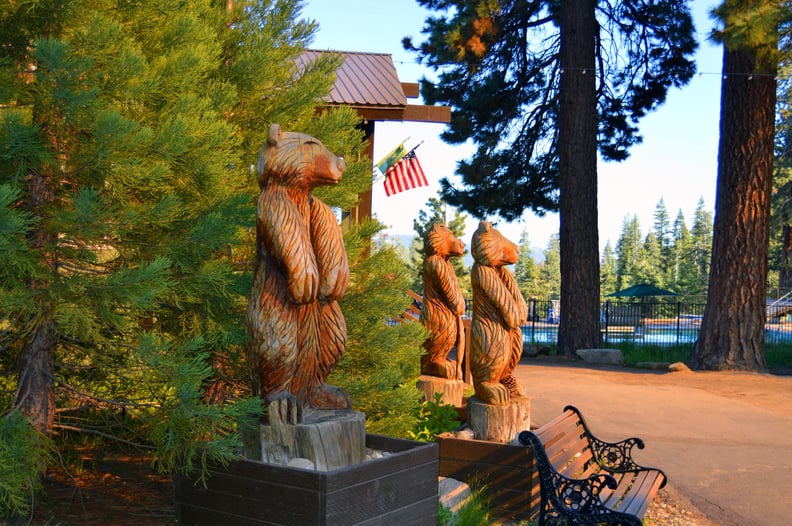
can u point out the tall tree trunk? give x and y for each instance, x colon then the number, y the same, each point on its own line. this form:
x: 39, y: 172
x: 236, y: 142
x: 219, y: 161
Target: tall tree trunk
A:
x: 577, y: 148
x: 34, y: 394
x: 732, y: 332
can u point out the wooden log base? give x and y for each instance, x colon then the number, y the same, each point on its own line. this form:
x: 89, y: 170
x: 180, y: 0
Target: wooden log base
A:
x: 451, y: 390
x: 499, y: 423
x: 331, y: 439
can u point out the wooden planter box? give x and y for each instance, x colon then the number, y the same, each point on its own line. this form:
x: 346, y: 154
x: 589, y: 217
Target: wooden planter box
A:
x: 508, y: 472
x: 400, y: 488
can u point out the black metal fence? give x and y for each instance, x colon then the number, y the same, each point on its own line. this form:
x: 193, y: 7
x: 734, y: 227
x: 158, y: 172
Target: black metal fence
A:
x: 648, y: 323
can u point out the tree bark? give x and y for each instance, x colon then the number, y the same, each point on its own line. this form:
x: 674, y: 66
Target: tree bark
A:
x: 732, y: 332
x: 577, y: 148
x: 34, y: 395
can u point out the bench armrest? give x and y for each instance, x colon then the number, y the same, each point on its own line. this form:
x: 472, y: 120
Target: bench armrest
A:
x: 573, y: 501
x: 615, y: 457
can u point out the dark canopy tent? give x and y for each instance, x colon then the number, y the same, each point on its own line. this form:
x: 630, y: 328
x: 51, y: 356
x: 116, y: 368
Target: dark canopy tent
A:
x: 642, y: 290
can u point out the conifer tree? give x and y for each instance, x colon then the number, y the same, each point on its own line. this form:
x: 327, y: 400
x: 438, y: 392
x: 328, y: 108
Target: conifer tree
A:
x: 628, y: 251
x: 663, y: 231
x: 679, y: 252
x: 700, y: 250
x: 608, y: 270
x: 526, y: 271
x: 541, y: 87
x: 732, y: 334
x: 126, y: 135
x: 550, y: 268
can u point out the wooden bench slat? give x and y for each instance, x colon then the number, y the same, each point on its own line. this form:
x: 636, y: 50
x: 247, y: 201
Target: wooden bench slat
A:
x: 611, y: 497
x: 645, y: 487
x: 564, y: 420
x: 565, y: 447
x: 578, y: 467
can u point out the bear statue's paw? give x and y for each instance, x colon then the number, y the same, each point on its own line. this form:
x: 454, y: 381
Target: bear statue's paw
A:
x: 303, y: 286
x: 440, y: 368
x: 514, y: 386
x: 283, y: 408
x: 330, y: 397
x: 493, y: 393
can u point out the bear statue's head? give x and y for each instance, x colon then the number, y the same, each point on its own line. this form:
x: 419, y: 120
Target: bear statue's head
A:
x: 439, y: 240
x: 491, y: 249
x: 297, y: 160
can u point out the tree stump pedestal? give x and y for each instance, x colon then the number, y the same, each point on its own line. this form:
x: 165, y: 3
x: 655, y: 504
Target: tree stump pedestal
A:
x: 452, y: 391
x: 499, y: 423
x: 324, y: 441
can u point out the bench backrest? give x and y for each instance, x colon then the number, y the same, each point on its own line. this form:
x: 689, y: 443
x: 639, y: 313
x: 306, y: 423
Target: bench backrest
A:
x: 567, y: 446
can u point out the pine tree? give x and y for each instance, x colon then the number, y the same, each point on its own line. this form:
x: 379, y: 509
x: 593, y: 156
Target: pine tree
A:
x: 541, y: 87
x: 608, y: 270
x: 526, y: 271
x: 732, y: 334
x: 126, y: 133
x: 663, y: 231
x: 680, y: 248
x: 550, y: 269
x: 650, y: 266
x: 700, y: 249
x: 628, y: 251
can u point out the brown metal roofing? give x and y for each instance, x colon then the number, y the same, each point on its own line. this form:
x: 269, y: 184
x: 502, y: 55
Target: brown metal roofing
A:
x: 367, y: 79
x: 369, y: 83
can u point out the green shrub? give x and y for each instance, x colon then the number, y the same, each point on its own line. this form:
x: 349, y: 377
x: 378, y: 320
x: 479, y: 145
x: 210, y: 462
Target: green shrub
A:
x: 475, y: 512
x: 434, y: 417
x: 24, y: 454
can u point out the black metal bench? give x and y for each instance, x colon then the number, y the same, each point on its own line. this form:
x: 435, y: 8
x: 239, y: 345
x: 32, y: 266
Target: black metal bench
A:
x: 585, y: 480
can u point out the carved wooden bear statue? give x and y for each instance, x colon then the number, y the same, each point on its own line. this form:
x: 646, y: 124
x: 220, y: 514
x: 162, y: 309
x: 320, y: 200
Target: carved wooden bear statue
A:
x: 296, y: 329
x: 443, y: 303
x: 498, y: 312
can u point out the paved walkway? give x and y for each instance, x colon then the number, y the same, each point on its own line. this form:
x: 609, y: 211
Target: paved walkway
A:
x: 723, y: 438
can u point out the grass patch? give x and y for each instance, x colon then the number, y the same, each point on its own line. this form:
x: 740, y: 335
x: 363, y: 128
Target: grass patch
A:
x: 778, y: 356
x: 635, y: 354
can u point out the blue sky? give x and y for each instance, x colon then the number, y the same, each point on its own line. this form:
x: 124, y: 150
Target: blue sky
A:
x: 677, y: 160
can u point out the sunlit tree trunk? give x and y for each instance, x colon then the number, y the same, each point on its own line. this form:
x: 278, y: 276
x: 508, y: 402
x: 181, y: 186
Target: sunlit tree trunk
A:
x: 34, y: 394
x: 577, y: 151
x: 732, y: 332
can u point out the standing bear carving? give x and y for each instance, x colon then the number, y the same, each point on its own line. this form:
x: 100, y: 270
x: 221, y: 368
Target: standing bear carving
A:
x: 296, y: 330
x: 498, y: 312
x: 443, y: 305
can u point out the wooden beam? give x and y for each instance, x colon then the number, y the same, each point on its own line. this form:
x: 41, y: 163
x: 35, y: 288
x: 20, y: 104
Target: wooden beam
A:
x: 410, y: 89
x: 423, y: 113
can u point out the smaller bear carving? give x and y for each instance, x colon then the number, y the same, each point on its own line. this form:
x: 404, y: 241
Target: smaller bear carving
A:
x: 443, y: 303
x: 498, y: 312
x: 296, y: 329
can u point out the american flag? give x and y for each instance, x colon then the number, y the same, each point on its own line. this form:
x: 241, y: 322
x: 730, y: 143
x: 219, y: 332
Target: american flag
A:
x: 405, y: 175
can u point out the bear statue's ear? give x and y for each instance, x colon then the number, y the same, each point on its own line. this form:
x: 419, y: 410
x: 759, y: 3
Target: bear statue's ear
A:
x: 273, y: 136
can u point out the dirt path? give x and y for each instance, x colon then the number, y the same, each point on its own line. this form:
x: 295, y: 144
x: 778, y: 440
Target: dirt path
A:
x: 723, y: 438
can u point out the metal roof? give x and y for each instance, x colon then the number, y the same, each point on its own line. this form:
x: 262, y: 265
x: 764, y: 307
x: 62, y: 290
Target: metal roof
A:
x: 369, y: 83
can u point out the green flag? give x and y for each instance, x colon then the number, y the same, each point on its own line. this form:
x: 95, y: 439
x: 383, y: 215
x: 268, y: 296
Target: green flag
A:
x: 392, y: 158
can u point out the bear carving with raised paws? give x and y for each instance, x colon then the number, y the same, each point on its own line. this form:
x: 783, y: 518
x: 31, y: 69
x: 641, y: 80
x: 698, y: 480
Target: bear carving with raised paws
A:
x: 295, y: 326
x: 443, y: 304
x: 498, y: 312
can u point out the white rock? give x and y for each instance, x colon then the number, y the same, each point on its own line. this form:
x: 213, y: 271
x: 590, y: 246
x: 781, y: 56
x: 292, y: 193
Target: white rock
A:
x: 302, y: 463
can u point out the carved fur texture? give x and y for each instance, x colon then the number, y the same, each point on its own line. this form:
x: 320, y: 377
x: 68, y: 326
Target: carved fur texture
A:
x: 296, y: 329
x: 498, y: 312
x: 444, y: 304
